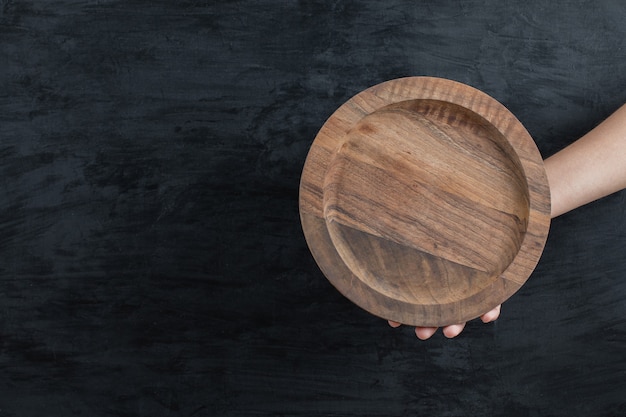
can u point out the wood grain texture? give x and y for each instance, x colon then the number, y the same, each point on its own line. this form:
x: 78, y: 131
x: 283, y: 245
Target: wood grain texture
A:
x: 434, y: 199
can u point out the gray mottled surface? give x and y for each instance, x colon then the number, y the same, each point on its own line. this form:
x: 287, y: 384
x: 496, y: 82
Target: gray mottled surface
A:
x: 151, y: 257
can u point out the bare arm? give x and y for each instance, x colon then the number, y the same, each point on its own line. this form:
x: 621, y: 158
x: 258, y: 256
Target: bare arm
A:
x: 590, y: 168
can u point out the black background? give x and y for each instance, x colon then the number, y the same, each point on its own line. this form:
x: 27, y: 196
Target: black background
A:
x: 151, y: 256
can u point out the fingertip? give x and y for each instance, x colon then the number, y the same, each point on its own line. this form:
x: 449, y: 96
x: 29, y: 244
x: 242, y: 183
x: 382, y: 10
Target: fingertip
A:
x: 491, y: 315
x: 453, y: 330
x: 424, y: 333
x: 394, y: 324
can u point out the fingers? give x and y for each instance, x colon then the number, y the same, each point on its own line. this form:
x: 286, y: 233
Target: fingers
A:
x: 491, y: 315
x: 451, y: 331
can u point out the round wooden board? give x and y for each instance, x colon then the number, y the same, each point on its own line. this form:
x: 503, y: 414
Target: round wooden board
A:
x: 425, y: 201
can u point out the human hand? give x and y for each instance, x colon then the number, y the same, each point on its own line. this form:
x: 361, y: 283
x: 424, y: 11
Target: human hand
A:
x: 451, y: 331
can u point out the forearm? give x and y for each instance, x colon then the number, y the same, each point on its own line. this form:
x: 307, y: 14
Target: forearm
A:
x: 590, y: 168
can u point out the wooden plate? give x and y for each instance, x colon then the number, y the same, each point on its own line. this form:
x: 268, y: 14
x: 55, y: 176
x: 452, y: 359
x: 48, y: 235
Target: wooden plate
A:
x: 425, y: 201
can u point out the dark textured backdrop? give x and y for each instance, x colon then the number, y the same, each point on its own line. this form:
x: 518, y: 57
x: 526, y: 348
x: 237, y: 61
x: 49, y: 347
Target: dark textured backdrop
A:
x: 151, y: 257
